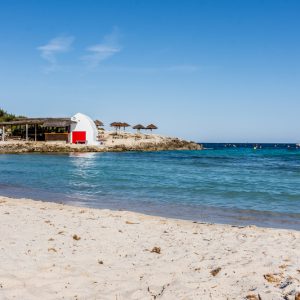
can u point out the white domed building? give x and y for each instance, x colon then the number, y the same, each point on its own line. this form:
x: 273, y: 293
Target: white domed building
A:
x: 83, y: 130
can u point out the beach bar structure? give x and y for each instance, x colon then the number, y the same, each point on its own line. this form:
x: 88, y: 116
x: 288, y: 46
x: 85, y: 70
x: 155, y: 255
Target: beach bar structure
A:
x: 79, y: 129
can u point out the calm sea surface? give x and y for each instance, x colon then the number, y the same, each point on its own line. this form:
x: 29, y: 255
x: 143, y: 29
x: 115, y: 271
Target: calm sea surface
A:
x: 237, y: 186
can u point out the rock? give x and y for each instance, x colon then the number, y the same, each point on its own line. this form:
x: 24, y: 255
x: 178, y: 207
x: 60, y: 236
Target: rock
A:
x: 215, y: 272
x: 52, y: 249
x: 130, y: 223
x: 252, y: 297
x: 284, y: 284
x: 166, y: 143
x: 156, y: 250
x: 297, y: 296
x: 272, y: 278
x: 76, y: 237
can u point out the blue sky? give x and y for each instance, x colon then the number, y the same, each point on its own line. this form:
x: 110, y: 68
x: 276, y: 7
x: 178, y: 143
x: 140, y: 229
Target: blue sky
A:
x: 210, y: 71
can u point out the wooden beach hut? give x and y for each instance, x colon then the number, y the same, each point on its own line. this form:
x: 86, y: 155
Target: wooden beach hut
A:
x: 77, y: 129
x: 37, y: 129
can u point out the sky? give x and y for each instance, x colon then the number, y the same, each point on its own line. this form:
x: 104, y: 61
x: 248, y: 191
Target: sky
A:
x: 208, y: 71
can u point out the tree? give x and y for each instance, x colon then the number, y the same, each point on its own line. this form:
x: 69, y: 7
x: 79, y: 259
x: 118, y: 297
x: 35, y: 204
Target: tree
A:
x: 6, y: 117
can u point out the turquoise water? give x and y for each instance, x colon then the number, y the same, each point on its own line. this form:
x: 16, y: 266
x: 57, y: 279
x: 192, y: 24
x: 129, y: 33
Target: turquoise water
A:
x: 239, y: 186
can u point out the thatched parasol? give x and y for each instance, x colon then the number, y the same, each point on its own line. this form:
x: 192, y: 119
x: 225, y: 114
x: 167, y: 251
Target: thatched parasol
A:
x: 151, y: 127
x: 138, y: 127
x: 117, y: 125
x: 98, y: 123
x: 124, y: 125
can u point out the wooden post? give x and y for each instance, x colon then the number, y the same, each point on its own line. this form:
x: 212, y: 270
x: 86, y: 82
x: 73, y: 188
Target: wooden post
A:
x: 69, y: 134
x: 3, y: 133
x: 35, y: 132
x: 26, y: 132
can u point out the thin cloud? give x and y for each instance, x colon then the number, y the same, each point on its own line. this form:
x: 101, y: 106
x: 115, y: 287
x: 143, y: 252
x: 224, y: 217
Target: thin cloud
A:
x: 152, y: 70
x: 102, y: 51
x: 55, y: 46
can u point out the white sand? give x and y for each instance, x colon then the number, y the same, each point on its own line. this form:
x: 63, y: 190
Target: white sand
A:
x: 40, y: 259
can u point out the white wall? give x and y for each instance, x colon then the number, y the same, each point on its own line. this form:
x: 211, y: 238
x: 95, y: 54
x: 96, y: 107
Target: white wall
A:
x: 85, y: 123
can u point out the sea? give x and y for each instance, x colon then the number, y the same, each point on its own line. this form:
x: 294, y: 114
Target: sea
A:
x: 231, y: 183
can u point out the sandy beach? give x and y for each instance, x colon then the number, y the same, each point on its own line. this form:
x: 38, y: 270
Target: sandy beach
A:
x: 55, y: 251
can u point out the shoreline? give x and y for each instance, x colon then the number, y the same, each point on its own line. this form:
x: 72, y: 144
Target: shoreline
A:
x: 55, y: 250
x: 127, y: 142
x: 201, y: 214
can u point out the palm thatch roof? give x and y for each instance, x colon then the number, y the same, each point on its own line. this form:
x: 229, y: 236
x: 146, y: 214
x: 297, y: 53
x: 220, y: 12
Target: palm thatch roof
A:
x: 98, y: 123
x: 45, y: 122
x: 119, y: 124
x: 151, y: 126
x: 116, y: 124
x: 139, y: 127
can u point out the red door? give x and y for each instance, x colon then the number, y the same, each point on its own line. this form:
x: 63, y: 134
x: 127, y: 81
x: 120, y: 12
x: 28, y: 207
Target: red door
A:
x: 78, y: 137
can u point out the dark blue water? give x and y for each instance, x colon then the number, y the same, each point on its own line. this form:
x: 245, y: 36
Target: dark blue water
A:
x: 270, y: 146
x: 237, y: 185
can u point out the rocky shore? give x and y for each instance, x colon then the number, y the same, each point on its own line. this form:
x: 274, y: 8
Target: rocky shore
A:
x: 121, y: 145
